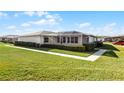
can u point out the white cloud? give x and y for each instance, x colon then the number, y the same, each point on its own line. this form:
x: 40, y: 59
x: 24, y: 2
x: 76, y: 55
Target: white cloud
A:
x: 84, y: 27
x: 11, y: 27
x: 3, y: 14
x: 113, y: 24
x: 109, y: 27
x: 36, y: 13
x: 86, y: 24
x: 41, y: 13
x: 39, y: 22
x: 25, y: 25
x: 16, y: 15
x: 29, y: 13
x: 48, y: 20
x: 44, y: 22
x: 51, y: 16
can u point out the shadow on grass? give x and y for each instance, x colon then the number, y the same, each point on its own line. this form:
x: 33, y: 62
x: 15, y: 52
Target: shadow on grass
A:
x: 110, y: 54
x: 44, y: 49
x: 88, y: 52
x: 109, y: 47
x: 49, y: 50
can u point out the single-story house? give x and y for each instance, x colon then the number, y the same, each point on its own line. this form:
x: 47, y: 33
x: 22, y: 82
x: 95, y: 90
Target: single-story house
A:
x: 100, y: 39
x: 9, y: 38
x: 58, y: 38
x: 114, y: 38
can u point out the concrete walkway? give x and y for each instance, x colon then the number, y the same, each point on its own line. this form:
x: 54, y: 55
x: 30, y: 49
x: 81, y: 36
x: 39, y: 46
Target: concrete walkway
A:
x: 96, y: 55
x: 92, y: 58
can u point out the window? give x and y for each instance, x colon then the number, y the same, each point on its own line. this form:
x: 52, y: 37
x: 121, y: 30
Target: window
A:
x: 76, y: 39
x: 64, y: 39
x: 72, y: 39
x: 87, y: 39
x: 46, y: 39
x: 68, y: 39
x: 58, y: 39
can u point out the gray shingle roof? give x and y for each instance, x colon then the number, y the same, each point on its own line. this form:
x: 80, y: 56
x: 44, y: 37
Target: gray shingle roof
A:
x: 50, y: 33
x: 10, y: 36
x: 39, y: 33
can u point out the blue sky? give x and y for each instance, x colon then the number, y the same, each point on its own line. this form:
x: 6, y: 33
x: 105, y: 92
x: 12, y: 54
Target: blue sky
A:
x: 95, y: 22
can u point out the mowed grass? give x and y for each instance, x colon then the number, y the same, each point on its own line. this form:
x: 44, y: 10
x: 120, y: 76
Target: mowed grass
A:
x: 83, y: 54
x: 18, y: 64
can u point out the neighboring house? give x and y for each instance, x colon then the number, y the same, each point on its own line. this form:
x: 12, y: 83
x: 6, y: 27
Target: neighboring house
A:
x: 100, y: 39
x: 114, y: 38
x: 108, y: 39
x: 58, y: 38
x: 9, y: 38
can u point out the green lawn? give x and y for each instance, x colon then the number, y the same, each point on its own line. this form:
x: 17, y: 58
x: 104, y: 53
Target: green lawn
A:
x: 18, y: 64
x: 84, y: 54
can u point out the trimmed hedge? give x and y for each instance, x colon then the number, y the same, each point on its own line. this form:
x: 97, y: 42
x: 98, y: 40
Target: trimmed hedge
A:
x: 4, y: 41
x: 99, y: 44
x: 26, y: 44
x: 36, y: 45
x: 71, y: 48
x: 84, y: 47
x: 90, y: 46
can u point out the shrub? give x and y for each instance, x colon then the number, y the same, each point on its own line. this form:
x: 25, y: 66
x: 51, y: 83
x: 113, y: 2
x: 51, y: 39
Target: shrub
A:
x: 36, y: 45
x: 99, y: 43
x: 90, y: 46
x: 70, y: 48
x: 10, y: 42
x: 26, y: 44
x: 4, y: 41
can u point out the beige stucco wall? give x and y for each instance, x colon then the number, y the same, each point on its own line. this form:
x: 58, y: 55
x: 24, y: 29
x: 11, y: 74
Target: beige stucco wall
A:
x: 35, y: 39
x: 91, y: 39
x: 53, y: 40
